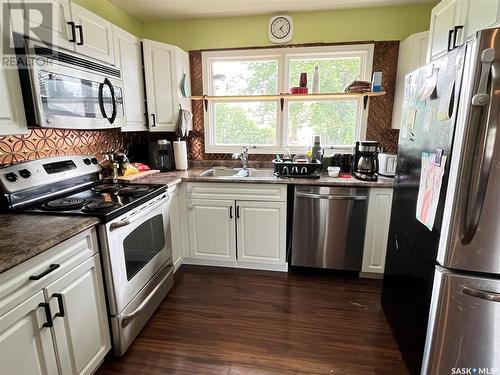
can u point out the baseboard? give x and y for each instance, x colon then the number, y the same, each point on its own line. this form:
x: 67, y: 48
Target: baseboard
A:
x: 177, y: 264
x: 371, y: 275
x: 234, y: 264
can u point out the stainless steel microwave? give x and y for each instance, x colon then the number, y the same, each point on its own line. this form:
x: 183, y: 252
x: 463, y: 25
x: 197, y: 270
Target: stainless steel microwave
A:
x: 61, y: 89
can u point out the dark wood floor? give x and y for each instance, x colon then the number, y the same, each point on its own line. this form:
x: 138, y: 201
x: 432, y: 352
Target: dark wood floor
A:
x: 242, y: 322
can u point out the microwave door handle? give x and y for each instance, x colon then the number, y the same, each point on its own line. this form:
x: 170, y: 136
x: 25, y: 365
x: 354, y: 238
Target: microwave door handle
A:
x: 111, y: 118
x: 101, y: 101
x: 134, y: 218
x: 486, y: 106
x: 113, y: 100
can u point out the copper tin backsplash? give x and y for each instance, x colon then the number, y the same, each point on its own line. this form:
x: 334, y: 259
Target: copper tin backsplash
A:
x: 379, y: 116
x: 41, y: 143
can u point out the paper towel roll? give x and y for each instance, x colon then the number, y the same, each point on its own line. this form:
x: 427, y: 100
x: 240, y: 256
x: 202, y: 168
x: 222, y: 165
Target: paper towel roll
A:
x: 180, y: 155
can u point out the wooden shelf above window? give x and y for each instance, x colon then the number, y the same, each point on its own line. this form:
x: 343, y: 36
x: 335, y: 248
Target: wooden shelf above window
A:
x: 283, y: 97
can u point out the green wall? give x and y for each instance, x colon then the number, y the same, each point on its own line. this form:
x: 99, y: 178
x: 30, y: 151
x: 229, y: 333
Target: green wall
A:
x: 385, y: 23
x: 113, y: 14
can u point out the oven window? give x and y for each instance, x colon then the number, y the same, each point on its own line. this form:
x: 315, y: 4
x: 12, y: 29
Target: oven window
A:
x: 140, y: 246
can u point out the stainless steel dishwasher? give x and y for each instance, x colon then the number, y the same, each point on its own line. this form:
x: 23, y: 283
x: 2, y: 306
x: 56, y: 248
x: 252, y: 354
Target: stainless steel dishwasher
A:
x: 329, y: 227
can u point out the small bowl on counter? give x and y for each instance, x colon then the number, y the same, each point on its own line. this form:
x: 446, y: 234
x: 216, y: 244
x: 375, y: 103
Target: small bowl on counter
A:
x: 333, y: 171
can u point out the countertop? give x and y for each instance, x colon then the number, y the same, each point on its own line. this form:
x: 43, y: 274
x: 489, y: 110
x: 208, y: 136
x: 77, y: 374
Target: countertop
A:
x: 192, y: 175
x: 25, y: 236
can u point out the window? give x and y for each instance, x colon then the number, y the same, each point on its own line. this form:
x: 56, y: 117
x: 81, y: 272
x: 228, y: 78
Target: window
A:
x: 232, y: 121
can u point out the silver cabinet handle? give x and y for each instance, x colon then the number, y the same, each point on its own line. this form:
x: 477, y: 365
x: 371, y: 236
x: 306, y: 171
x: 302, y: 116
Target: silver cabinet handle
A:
x: 136, y: 217
x: 480, y: 158
x: 489, y: 296
x: 332, y: 197
x: 128, y: 317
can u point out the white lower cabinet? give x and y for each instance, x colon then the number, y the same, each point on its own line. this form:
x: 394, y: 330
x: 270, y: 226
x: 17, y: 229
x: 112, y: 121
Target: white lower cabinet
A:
x: 25, y: 344
x: 55, y: 323
x: 80, y: 324
x: 377, y: 231
x: 211, y: 229
x: 261, y: 235
x: 228, y: 227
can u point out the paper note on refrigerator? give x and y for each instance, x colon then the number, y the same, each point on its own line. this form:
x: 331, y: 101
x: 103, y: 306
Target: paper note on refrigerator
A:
x: 447, y: 97
x: 431, y: 178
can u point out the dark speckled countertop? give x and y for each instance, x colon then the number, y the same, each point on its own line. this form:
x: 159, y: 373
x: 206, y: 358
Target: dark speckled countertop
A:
x: 192, y: 175
x: 25, y: 236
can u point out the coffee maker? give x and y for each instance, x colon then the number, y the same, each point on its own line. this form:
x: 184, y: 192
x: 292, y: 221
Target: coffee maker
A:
x: 161, y: 155
x: 365, y: 162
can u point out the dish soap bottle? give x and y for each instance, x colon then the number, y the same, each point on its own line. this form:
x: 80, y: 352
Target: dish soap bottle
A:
x: 315, y: 88
x: 316, y: 149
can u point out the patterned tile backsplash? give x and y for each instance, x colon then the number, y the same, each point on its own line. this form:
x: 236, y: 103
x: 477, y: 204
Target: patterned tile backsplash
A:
x: 41, y: 143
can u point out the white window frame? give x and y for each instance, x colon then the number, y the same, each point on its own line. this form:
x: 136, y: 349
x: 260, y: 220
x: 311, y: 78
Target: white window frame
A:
x: 283, y: 56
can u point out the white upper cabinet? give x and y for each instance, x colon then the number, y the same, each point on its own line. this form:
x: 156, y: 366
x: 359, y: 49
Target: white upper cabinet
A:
x: 94, y: 35
x: 165, y: 66
x: 128, y: 59
x: 480, y: 14
x: 54, y: 28
x: 453, y: 21
x: 12, y: 117
x: 444, y: 17
x: 412, y: 55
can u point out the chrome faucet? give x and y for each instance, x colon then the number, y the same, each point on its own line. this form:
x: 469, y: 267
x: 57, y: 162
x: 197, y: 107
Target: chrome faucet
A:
x: 243, y: 157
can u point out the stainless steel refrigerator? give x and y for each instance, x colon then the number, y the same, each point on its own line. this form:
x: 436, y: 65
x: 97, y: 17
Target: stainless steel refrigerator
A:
x: 464, y: 319
x: 437, y: 281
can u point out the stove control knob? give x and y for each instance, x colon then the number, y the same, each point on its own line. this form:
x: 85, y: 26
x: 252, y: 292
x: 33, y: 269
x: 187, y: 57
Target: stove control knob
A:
x: 24, y: 173
x: 11, y: 177
x: 86, y: 161
x: 93, y: 160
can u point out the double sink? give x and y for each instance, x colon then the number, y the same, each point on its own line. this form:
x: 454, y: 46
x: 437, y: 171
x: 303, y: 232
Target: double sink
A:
x: 238, y: 173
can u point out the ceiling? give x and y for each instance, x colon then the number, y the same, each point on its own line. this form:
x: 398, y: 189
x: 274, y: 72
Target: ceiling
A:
x: 145, y: 10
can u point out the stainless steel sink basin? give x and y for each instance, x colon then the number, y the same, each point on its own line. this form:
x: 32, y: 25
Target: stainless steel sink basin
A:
x: 238, y: 173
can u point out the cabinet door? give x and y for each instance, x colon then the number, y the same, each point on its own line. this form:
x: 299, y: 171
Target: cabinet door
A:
x: 159, y: 67
x: 261, y: 232
x: 81, y: 331
x: 480, y: 14
x: 444, y: 17
x: 212, y: 229
x: 377, y: 230
x: 25, y: 344
x: 94, y: 35
x: 50, y: 23
x: 128, y: 59
x: 12, y: 116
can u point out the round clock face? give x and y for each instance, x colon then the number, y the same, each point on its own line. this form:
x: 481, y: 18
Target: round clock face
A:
x: 280, y: 28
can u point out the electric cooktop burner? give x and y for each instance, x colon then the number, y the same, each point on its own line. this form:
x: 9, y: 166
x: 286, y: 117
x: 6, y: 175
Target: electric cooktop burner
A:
x: 97, y: 206
x: 65, y: 204
x: 107, y: 188
x: 134, y: 189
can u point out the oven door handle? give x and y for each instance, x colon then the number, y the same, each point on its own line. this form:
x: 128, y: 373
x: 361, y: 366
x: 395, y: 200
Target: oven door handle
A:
x: 128, y: 317
x: 146, y: 210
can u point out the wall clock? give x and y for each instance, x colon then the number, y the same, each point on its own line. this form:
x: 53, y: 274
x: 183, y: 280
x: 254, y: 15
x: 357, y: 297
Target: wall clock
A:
x: 280, y: 29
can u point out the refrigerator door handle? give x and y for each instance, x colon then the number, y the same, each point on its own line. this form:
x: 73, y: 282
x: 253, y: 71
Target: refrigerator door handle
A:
x: 489, y: 296
x: 484, y: 137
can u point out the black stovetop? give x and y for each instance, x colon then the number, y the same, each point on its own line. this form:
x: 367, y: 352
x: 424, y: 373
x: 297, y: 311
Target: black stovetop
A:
x: 104, y: 199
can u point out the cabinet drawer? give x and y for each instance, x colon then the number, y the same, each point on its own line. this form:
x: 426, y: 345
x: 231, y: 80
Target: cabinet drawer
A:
x: 16, y: 285
x: 244, y: 192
